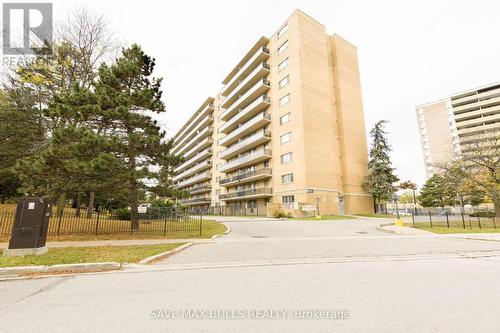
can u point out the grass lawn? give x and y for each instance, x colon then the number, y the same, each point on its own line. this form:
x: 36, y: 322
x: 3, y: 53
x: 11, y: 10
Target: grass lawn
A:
x: 381, y: 216
x: 209, y: 229
x: 324, y: 217
x: 74, y: 255
x: 457, y: 230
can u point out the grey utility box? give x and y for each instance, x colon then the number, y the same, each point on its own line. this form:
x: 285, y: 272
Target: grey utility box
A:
x: 30, y: 226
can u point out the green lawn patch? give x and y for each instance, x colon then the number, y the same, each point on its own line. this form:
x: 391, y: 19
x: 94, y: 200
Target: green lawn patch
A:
x: 457, y: 230
x: 324, y: 217
x: 380, y: 216
x: 209, y: 228
x: 76, y: 255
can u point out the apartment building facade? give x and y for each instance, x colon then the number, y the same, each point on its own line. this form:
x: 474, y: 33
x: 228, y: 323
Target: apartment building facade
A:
x: 286, y: 132
x: 446, y: 125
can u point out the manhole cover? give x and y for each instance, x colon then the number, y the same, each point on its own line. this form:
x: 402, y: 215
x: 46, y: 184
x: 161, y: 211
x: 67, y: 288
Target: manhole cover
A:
x: 362, y: 232
x: 259, y: 236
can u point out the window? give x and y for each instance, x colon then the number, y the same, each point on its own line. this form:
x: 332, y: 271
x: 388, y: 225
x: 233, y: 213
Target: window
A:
x: 283, y: 65
x: 283, y: 47
x: 286, y: 158
x: 217, y: 179
x: 284, y: 81
x: 285, y: 118
x: 284, y: 100
x: 287, y: 179
x: 288, y: 199
x: 283, y: 30
x: 285, y: 138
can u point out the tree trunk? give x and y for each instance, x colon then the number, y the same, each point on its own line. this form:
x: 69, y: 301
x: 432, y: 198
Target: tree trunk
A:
x: 496, y: 203
x: 60, y: 203
x: 90, y: 208
x: 134, y: 203
x: 78, y: 203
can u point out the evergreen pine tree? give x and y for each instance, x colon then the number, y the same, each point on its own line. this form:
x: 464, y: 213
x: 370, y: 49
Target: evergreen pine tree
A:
x: 381, y: 178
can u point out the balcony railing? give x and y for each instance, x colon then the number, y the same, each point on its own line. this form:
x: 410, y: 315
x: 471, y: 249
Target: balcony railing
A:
x: 195, y: 201
x: 198, y: 167
x: 200, y: 189
x: 201, y: 135
x: 252, y: 141
x: 252, y: 158
x: 259, y: 56
x: 192, y: 133
x: 259, y: 88
x: 250, y: 175
x: 193, y: 180
x: 193, y: 123
x: 258, y: 73
x: 251, y: 125
x: 249, y: 111
x: 254, y: 192
x: 198, y: 157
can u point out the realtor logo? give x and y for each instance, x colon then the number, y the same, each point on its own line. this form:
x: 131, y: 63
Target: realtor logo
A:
x: 26, y: 26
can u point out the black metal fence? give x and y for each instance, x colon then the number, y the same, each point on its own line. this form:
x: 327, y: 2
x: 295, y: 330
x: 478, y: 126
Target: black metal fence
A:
x: 167, y: 223
x: 231, y: 210
x: 445, y: 219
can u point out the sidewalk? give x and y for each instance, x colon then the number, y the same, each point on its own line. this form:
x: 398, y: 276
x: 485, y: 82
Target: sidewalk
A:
x: 120, y: 242
x: 406, y: 231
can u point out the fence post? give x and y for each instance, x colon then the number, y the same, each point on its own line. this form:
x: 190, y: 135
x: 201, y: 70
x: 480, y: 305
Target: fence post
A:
x: 463, y: 219
x: 59, y: 222
x: 479, y: 221
x: 164, y: 226
x: 201, y: 221
x: 447, y: 220
x: 430, y: 218
x: 97, y: 223
x: 413, y: 218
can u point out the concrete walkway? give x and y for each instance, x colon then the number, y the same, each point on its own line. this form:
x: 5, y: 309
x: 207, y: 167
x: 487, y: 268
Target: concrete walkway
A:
x: 118, y: 242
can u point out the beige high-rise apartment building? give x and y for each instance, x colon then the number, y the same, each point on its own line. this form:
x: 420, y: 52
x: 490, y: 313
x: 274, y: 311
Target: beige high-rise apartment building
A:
x: 286, y: 132
x: 446, y: 124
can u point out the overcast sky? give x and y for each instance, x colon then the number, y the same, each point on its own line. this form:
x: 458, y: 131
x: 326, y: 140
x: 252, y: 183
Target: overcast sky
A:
x: 410, y: 52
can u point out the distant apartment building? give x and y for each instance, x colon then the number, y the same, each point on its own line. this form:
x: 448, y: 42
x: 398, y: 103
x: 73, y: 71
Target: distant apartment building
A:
x: 445, y: 125
x: 285, y: 132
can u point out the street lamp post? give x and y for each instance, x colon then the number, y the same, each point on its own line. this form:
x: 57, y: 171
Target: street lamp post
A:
x: 395, y: 198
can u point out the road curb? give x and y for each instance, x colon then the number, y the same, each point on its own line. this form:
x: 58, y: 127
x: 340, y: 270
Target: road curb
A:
x: 164, y: 254
x: 228, y: 230
x: 380, y: 227
x: 62, y: 268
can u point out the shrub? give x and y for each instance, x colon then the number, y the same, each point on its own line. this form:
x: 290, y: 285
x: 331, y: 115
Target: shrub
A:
x: 122, y: 214
x: 482, y: 214
x: 279, y: 214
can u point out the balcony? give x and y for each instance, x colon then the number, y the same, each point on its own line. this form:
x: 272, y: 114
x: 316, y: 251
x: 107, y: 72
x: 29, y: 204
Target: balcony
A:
x: 202, y: 124
x: 258, y: 89
x: 198, y: 167
x: 261, y: 55
x: 261, y: 103
x: 249, y: 176
x: 198, y: 157
x: 209, y: 108
x: 479, y: 121
x: 246, y: 160
x: 194, y: 180
x: 207, y: 142
x: 198, y: 137
x: 472, y: 106
x: 248, y: 194
x: 258, y: 73
x: 200, y: 189
x: 250, y: 126
x: 196, y: 201
x: 252, y: 141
